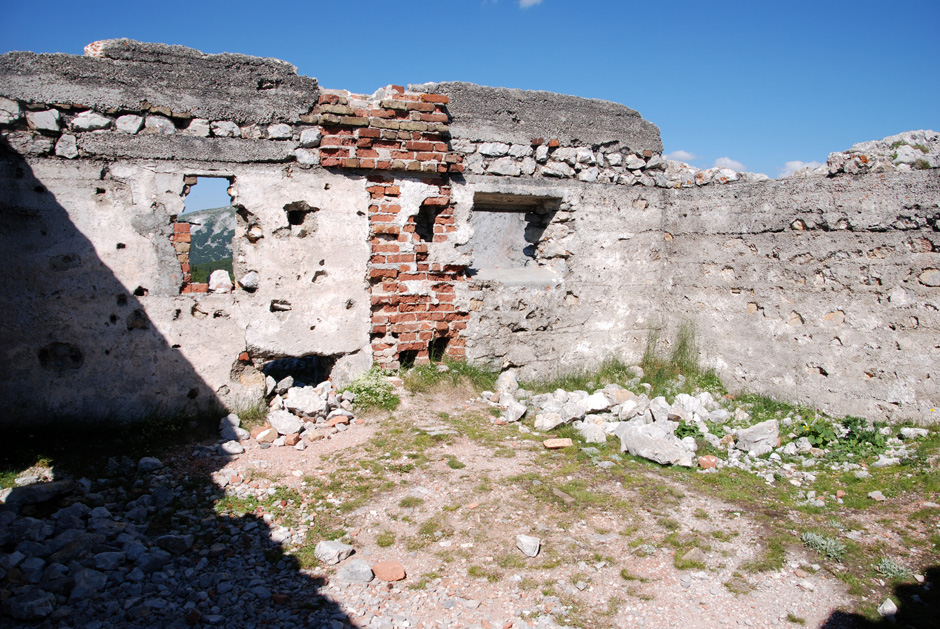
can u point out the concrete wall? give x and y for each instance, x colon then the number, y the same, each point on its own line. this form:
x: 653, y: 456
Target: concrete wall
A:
x: 822, y: 289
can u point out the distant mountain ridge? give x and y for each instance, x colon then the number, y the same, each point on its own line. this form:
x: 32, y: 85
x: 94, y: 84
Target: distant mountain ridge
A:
x: 211, y: 231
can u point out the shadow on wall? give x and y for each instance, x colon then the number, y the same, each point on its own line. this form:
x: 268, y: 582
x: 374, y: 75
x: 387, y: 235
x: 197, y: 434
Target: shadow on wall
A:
x: 132, y: 546
x: 918, y: 606
x: 66, y: 321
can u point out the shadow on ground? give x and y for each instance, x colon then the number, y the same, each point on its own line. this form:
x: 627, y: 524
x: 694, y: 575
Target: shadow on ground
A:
x: 106, y: 541
x: 918, y: 607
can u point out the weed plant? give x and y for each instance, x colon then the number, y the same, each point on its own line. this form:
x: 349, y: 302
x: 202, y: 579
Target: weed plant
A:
x: 826, y: 546
x: 374, y: 391
x: 679, y: 371
x: 428, y: 378
x: 610, y: 371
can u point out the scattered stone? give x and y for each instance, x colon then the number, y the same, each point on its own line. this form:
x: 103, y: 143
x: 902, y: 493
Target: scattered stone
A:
x: 556, y: 444
x: 888, y: 608
x: 356, y: 571
x: 759, y: 439
x: 548, y: 421
x: 913, y: 433
x: 331, y: 552
x: 149, y: 464
x: 877, y: 496
x: 388, y: 571
x: 655, y: 442
x: 708, y: 462
x: 529, y: 545
x: 35, y: 604
x: 695, y: 555
x: 284, y: 423
x: 231, y: 447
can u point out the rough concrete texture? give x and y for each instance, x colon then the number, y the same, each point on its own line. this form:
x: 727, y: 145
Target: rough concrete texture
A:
x: 92, y: 314
x: 188, y: 82
x: 498, y: 114
x: 823, y: 290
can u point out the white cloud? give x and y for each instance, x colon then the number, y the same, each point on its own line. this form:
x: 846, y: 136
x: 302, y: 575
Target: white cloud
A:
x: 525, y: 4
x: 727, y: 162
x: 791, y: 167
x: 682, y: 156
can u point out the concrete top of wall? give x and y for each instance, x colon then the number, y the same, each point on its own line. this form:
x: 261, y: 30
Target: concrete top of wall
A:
x: 125, y: 73
x: 497, y: 114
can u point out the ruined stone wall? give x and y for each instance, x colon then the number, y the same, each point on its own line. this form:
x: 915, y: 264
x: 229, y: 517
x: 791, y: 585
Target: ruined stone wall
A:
x: 505, y: 227
x: 821, y: 290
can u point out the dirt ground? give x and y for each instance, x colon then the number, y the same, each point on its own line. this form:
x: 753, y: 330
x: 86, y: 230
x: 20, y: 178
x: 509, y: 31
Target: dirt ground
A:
x: 438, y: 487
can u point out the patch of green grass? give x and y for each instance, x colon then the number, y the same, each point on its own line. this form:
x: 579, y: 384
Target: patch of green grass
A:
x: 796, y: 620
x: 700, y: 514
x: 504, y: 453
x: 428, y: 378
x: 454, y: 464
x: 385, y: 539
x: 479, y: 572
x: 771, y: 557
x: 373, y: 390
x: 510, y: 560
x: 626, y: 575
x: 611, y: 371
x: 410, y: 502
x: 677, y: 370
x: 737, y: 584
x: 422, y: 583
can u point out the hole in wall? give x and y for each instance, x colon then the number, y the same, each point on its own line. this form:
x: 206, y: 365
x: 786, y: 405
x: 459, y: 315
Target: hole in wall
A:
x: 407, y: 358
x: 437, y: 349
x: 140, y: 291
x: 204, y: 232
x: 425, y: 220
x: 302, y: 218
x: 60, y: 357
x: 311, y: 369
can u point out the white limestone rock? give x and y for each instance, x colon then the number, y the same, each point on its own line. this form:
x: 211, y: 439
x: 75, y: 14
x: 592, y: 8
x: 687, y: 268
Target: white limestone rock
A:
x: 90, y: 121
x: 225, y: 129
x: 47, y: 120
x: 129, y: 124
x: 220, y: 282
x: 280, y: 131
x: 655, y: 442
x: 158, y: 125
x: 506, y: 166
x: 305, y: 401
x: 307, y: 158
x: 310, y: 138
x: 548, y: 421
x: 494, y: 149
x: 67, y: 146
x: 759, y: 439
x: 9, y: 111
x: 331, y: 553
x: 284, y: 423
x: 198, y: 127
x: 529, y: 545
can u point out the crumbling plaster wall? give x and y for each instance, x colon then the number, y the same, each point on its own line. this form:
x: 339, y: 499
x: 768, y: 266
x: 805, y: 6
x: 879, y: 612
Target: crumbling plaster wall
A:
x: 814, y: 289
x: 818, y: 290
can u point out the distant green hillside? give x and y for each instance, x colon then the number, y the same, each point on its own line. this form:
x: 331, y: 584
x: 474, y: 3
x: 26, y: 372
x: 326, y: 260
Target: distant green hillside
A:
x: 212, y: 231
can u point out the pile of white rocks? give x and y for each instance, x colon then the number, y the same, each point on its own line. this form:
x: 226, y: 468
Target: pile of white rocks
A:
x: 904, y: 152
x: 647, y: 428
x: 297, y: 414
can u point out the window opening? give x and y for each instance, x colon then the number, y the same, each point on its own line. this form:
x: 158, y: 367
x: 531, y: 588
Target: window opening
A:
x: 305, y: 370
x: 204, y: 232
x: 507, y: 230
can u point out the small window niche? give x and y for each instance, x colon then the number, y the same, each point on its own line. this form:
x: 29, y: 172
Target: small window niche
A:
x: 506, y: 231
x: 204, y: 232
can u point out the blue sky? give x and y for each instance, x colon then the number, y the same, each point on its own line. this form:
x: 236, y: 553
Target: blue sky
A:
x: 758, y: 83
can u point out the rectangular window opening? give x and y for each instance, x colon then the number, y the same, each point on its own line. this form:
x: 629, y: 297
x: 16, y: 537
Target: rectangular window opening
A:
x: 203, y: 235
x: 506, y: 232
